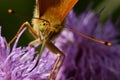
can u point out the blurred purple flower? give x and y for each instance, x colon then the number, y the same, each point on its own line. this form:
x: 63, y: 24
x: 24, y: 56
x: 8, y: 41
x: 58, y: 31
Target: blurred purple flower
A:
x: 85, y: 59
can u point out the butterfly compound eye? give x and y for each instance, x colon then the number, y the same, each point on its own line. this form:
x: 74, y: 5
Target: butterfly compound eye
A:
x: 46, y: 23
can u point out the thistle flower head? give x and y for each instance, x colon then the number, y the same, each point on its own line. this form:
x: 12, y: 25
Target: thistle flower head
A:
x: 16, y: 64
x: 88, y: 60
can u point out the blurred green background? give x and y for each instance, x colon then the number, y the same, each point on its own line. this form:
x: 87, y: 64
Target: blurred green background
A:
x: 11, y: 23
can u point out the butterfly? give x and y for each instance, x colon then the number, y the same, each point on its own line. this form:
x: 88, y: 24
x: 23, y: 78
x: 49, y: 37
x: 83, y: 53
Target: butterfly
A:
x: 48, y: 23
x: 48, y: 18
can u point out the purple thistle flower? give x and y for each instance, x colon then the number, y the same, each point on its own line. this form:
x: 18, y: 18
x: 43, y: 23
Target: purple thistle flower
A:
x: 85, y: 59
x: 17, y: 63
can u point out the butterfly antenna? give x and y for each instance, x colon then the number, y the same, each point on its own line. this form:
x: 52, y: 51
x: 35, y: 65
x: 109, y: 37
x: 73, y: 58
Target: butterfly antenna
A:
x: 10, y: 11
x: 88, y: 37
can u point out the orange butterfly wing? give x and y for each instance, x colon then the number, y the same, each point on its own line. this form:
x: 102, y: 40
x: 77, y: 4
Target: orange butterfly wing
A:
x: 55, y: 10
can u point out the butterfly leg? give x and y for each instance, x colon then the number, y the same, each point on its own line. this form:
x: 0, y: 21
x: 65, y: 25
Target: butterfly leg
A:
x: 35, y: 43
x: 59, y: 68
x: 26, y: 24
x: 55, y: 50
